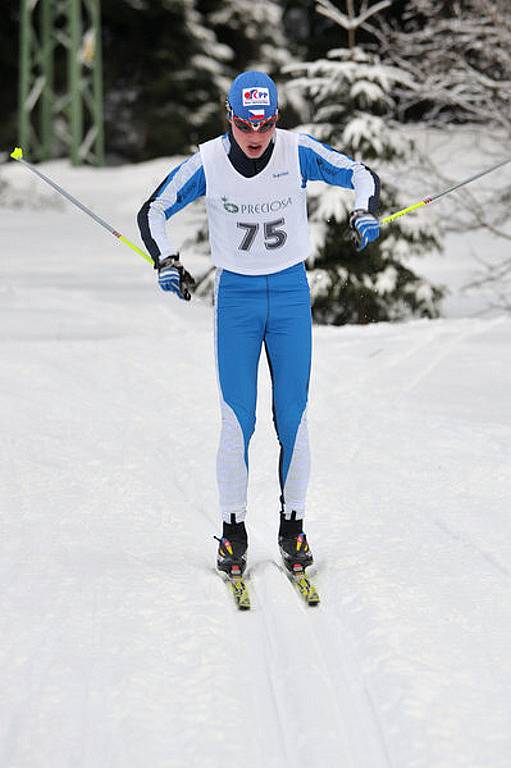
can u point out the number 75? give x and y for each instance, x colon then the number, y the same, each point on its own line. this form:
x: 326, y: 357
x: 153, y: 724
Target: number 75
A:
x: 273, y: 237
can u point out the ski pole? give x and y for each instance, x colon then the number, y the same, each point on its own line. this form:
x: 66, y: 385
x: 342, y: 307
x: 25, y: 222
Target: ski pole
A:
x: 428, y: 200
x: 17, y: 154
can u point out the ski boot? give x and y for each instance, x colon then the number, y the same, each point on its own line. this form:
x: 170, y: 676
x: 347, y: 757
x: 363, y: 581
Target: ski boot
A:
x: 232, y: 549
x: 293, y: 545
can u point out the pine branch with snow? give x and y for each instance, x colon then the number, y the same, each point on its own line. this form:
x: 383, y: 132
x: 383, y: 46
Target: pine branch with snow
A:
x: 351, y: 103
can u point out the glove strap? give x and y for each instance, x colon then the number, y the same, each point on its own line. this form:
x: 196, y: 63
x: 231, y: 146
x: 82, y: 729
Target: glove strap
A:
x: 354, y: 215
x: 169, y: 261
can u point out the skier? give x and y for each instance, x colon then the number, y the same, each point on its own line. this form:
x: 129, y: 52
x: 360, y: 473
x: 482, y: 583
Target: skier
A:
x: 254, y: 179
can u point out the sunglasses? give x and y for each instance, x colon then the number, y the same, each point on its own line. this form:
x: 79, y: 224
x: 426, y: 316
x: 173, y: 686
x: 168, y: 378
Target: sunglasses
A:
x: 247, y: 126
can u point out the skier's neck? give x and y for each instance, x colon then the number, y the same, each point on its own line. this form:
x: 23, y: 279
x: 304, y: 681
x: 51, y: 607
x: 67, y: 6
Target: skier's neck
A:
x: 248, y: 166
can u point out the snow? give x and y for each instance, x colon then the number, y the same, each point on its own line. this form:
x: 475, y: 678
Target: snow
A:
x: 120, y: 645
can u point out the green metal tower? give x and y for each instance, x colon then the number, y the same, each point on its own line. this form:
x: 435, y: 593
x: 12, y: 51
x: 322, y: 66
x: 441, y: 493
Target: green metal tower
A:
x: 69, y: 113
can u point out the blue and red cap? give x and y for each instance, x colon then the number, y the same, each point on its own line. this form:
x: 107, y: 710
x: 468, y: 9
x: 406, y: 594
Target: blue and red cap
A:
x: 252, y: 97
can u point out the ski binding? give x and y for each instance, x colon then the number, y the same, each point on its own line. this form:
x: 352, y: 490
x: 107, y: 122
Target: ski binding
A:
x: 239, y: 588
x: 304, y: 585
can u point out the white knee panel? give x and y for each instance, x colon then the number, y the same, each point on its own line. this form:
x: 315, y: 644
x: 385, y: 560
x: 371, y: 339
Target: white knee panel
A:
x: 297, y: 480
x: 232, y: 473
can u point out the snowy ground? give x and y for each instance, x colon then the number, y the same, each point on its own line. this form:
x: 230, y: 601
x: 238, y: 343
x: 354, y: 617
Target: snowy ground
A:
x: 120, y: 646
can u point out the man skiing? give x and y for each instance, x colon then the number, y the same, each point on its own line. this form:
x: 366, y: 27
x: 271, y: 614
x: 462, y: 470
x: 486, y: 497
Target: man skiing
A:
x: 254, y: 179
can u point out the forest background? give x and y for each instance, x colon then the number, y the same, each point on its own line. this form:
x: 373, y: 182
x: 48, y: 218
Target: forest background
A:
x: 356, y: 74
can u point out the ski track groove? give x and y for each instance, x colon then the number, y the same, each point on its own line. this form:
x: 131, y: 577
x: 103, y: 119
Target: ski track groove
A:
x: 272, y: 666
x: 309, y: 619
x: 370, y: 384
x: 322, y: 638
x: 372, y: 393
x: 447, y: 348
x: 285, y: 746
x: 373, y: 378
x: 352, y: 653
x: 359, y: 385
x: 468, y: 542
x: 246, y: 653
x: 263, y: 615
x: 327, y: 664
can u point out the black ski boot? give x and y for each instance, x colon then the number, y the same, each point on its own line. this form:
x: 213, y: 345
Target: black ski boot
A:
x: 293, y: 544
x: 232, y: 549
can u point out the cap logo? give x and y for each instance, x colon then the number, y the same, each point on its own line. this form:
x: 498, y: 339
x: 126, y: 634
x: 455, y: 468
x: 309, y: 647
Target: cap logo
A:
x: 255, y: 97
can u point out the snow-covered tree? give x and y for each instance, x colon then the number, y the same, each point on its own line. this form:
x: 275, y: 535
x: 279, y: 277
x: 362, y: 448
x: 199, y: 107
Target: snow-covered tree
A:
x: 459, y: 57
x: 351, y: 101
x: 254, y: 31
x: 165, y: 76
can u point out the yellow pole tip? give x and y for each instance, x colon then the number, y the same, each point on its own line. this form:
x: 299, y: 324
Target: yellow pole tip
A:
x: 17, y: 154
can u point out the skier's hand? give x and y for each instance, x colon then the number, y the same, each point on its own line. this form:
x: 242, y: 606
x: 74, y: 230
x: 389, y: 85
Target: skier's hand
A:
x: 173, y: 277
x: 364, y: 228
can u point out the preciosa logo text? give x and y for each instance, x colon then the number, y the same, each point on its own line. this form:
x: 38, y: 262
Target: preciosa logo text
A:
x: 272, y: 206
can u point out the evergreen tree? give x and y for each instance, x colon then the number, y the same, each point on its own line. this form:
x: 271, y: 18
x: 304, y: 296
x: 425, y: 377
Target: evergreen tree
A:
x: 253, y: 30
x: 165, y: 75
x: 256, y: 32
x: 350, y: 95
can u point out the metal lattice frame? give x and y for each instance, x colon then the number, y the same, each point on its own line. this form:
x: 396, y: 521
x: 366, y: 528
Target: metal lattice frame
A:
x: 73, y: 118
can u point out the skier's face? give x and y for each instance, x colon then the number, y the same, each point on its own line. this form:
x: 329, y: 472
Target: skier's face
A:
x: 253, y: 143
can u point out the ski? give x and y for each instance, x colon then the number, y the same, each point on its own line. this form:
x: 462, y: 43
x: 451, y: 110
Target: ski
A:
x: 238, y: 588
x: 304, y: 585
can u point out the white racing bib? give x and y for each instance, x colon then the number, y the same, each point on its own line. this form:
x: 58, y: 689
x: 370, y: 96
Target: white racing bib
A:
x: 257, y: 225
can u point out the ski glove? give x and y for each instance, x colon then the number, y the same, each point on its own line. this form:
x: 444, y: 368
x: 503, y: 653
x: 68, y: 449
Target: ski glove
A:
x: 364, y: 228
x: 173, y: 277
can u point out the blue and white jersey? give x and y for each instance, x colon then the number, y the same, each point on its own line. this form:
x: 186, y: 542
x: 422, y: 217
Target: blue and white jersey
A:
x: 187, y: 182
